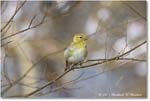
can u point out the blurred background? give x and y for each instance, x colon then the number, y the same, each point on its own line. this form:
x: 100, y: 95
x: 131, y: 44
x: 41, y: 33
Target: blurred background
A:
x: 35, y: 33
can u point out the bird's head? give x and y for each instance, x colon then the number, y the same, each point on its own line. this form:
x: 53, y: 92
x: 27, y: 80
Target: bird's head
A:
x: 80, y: 38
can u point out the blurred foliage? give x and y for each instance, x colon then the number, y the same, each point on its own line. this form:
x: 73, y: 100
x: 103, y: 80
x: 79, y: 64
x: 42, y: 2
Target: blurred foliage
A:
x: 119, y: 26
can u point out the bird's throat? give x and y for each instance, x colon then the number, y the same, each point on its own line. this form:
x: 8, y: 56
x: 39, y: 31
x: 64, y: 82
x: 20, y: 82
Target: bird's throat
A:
x: 80, y: 45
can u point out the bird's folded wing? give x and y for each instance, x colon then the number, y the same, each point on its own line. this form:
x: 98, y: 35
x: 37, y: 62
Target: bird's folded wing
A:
x: 69, y: 52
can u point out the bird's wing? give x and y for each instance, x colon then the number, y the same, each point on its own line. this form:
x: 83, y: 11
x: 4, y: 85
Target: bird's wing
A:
x: 69, y: 51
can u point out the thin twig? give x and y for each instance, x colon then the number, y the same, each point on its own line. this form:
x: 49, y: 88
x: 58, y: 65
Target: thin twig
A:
x: 62, y: 85
x: 50, y: 82
x: 5, y: 31
x: 16, y: 11
x: 31, y: 68
x: 26, y: 29
x: 132, y: 59
x: 135, y: 10
x: 98, y: 63
x: 114, y: 58
x: 5, y: 44
x: 32, y: 21
x: 5, y: 71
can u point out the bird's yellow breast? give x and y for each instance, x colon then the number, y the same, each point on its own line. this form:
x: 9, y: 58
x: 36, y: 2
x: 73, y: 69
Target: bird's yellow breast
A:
x: 80, y: 45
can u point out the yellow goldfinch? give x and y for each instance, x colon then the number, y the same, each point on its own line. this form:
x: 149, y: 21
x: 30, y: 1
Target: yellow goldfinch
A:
x: 77, y: 51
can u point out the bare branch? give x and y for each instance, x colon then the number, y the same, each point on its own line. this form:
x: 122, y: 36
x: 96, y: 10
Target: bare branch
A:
x: 93, y: 62
x: 74, y: 67
x: 32, y: 21
x: 134, y: 9
x: 6, y: 29
x: 114, y: 58
x: 26, y: 29
x: 26, y: 73
x: 5, y: 73
x: 16, y: 11
x: 5, y: 44
x: 130, y: 59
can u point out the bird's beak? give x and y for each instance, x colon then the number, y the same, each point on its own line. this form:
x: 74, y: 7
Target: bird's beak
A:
x: 86, y: 38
